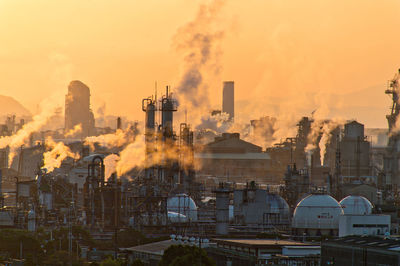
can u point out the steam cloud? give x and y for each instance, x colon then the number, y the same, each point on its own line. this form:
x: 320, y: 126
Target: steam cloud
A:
x: 110, y: 165
x: 118, y: 139
x: 74, y: 132
x: 322, y: 129
x: 59, y: 152
x: 23, y: 135
x: 199, y: 44
x: 133, y: 155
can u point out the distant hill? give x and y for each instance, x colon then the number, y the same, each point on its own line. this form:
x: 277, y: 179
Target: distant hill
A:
x: 10, y: 106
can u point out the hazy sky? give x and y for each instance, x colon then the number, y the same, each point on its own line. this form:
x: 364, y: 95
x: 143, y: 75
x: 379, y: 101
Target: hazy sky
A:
x: 284, y: 56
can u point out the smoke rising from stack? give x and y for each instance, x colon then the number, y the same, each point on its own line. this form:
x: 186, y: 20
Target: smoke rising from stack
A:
x: 120, y: 138
x: 74, y: 132
x: 56, y: 155
x: 217, y: 123
x: 110, y: 165
x: 14, y: 142
x: 100, y: 115
x: 198, y: 42
x: 322, y: 130
x: 133, y: 156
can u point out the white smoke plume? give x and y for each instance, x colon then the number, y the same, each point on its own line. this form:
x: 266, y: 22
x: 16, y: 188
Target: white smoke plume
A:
x: 56, y: 155
x: 119, y: 138
x: 217, y: 123
x: 14, y: 142
x: 198, y: 41
x: 133, y: 155
x: 100, y: 115
x: 110, y: 165
x: 74, y: 131
x: 322, y: 129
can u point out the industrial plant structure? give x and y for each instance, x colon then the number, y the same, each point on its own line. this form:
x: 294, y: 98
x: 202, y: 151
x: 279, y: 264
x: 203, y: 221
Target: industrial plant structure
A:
x: 77, y: 109
x: 296, y: 188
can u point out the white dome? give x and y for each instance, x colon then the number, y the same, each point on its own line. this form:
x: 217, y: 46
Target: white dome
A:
x: 317, y: 212
x: 276, y: 204
x: 357, y: 205
x: 183, y: 204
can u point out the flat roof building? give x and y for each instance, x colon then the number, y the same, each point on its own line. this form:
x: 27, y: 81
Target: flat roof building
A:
x: 264, y: 251
x: 360, y: 250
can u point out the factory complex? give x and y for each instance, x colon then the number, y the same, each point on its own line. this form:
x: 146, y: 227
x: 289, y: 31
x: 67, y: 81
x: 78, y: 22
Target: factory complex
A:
x: 307, y: 199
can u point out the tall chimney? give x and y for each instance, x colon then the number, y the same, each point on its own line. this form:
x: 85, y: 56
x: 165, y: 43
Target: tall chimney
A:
x: 119, y: 123
x: 228, y: 99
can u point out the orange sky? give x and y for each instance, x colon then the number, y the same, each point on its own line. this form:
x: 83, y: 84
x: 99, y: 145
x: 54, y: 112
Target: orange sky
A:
x: 284, y: 56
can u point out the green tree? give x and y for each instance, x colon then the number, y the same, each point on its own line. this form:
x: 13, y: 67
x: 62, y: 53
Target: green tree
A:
x: 137, y: 262
x: 179, y: 255
x: 110, y: 262
x: 61, y: 258
x: 14, y: 242
x: 130, y: 238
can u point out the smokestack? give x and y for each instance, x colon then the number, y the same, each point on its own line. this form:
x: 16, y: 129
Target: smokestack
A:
x: 228, y: 99
x: 119, y: 123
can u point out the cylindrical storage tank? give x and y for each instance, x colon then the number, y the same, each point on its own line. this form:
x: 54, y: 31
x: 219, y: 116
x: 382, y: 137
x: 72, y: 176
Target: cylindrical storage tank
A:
x: 356, y: 205
x: 222, y: 211
x: 183, y: 204
x: 317, y: 214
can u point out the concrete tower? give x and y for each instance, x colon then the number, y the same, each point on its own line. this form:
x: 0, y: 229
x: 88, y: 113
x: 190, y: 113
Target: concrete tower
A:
x: 77, y: 109
x: 228, y: 99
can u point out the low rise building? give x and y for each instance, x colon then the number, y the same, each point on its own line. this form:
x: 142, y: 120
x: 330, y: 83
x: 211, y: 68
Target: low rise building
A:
x: 372, y: 224
x: 232, y: 158
x: 264, y: 251
x: 360, y: 250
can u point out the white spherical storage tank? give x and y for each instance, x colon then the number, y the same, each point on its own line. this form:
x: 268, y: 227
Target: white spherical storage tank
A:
x: 317, y: 214
x: 356, y: 205
x: 183, y: 204
x: 276, y: 204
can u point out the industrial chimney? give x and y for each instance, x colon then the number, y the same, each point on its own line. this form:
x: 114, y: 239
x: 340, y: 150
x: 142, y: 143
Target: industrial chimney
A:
x: 228, y: 99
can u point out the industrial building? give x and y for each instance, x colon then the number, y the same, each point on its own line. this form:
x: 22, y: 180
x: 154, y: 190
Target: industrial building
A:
x: 355, y: 153
x: 364, y: 224
x: 226, y: 187
x: 77, y: 109
x: 264, y: 252
x: 360, y: 250
x: 231, y: 159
